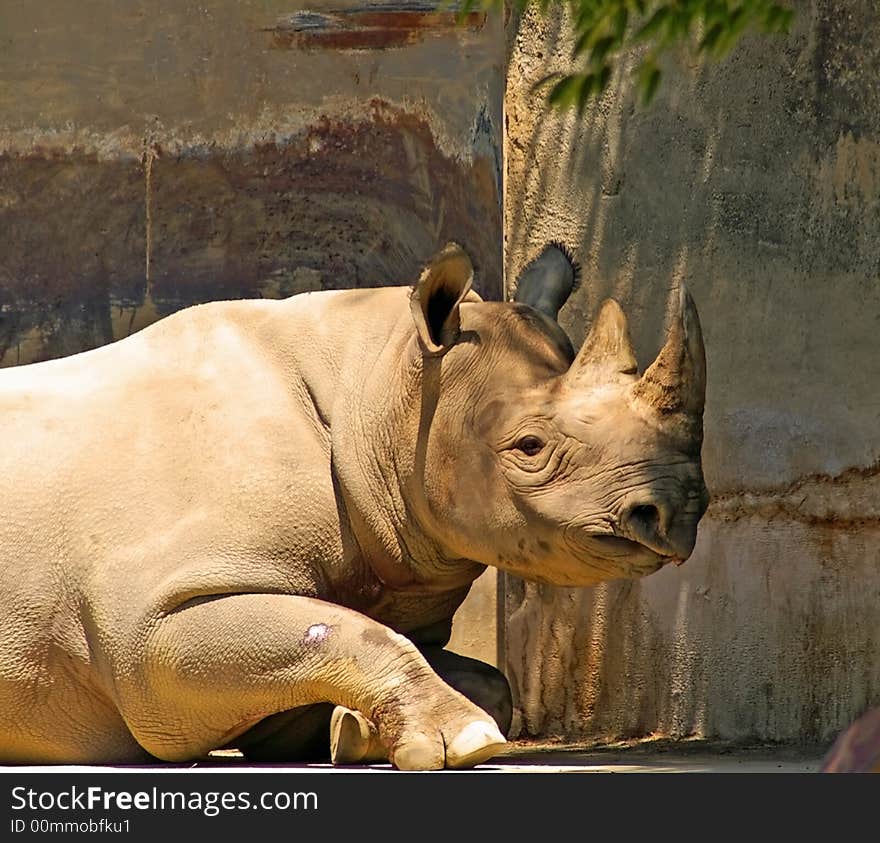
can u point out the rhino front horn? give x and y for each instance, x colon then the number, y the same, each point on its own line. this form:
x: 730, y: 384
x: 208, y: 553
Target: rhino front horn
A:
x: 676, y: 381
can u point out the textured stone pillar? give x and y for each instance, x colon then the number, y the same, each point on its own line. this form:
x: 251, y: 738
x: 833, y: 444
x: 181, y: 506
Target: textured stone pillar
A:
x: 756, y: 181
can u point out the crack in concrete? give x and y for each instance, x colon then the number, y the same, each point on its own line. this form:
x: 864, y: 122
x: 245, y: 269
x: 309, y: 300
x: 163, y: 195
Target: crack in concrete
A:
x: 150, y: 155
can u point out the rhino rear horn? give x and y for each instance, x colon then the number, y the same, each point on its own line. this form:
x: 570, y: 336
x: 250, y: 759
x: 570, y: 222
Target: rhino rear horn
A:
x: 607, y: 351
x: 676, y: 381
x: 547, y: 282
x: 436, y: 298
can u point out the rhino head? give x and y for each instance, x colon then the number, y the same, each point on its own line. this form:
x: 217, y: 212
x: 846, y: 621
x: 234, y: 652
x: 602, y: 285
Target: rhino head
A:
x: 559, y: 467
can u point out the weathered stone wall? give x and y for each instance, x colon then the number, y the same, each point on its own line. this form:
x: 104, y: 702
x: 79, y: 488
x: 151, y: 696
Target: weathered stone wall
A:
x: 156, y: 155
x: 757, y: 181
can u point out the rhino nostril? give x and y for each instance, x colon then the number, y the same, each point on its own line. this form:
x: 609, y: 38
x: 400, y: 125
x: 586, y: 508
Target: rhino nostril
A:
x: 646, y: 518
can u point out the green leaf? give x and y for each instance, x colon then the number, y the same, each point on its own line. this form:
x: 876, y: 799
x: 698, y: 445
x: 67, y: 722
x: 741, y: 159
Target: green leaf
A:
x: 603, y: 29
x: 649, y: 80
x: 589, y: 15
x: 654, y: 25
x: 678, y: 27
x: 601, y: 48
x: 710, y: 40
x: 621, y: 19
x: 591, y: 86
x: 778, y: 19
x: 567, y: 90
x: 582, y: 43
x: 715, y: 12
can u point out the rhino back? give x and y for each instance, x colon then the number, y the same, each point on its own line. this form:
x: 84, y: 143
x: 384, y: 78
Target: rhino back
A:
x: 192, y: 458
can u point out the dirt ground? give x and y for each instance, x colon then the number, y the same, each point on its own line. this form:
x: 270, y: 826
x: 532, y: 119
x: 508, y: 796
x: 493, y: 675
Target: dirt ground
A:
x: 637, y: 756
x: 640, y: 756
x: 658, y: 756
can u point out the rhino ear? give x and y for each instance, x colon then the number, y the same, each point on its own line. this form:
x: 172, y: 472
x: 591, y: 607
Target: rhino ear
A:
x: 436, y: 298
x: 547, y: 282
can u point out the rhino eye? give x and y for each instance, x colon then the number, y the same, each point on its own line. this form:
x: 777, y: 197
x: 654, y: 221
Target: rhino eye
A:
x: 529, y: 445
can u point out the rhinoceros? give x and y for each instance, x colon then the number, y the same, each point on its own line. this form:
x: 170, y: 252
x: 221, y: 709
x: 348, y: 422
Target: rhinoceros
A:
x: 250, y: 524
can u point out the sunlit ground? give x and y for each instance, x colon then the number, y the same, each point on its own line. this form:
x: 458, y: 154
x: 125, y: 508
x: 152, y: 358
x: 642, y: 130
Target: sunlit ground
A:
x: 655, y: 756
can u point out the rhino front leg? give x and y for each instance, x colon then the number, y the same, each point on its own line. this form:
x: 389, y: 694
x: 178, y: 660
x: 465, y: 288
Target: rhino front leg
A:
x: 355, y: 740
x: 217, y: 666
x: 317, y: 733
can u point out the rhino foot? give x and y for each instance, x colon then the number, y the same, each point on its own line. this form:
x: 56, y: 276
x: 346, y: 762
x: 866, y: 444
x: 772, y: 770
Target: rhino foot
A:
x: 475, y: 743
x: 354, y: 739
x: 456, y: 748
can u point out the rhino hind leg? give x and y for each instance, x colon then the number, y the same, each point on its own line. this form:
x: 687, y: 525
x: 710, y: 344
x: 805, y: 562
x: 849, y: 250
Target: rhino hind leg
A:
x: 299, y: 734
x: 483, y: 684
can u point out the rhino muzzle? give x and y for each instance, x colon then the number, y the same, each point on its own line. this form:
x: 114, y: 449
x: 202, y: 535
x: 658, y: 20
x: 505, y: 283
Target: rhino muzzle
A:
x: 662, y: 526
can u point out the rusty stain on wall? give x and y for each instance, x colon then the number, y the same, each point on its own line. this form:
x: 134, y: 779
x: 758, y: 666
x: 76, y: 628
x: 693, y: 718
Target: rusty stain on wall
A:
x: 371, y: 27
x: 93, y: 246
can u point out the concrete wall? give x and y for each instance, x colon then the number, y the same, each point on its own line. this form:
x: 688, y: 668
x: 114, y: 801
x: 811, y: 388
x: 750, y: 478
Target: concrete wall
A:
x: 758, y: 182
x: 155, y: 155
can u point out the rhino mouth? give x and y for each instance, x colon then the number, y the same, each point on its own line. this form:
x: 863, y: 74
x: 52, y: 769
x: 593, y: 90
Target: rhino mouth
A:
x: 617, y: 544
x: 614, y: 548
x: 618, y: 555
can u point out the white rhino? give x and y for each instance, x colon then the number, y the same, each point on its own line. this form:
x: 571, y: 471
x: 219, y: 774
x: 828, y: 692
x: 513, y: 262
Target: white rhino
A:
x: 251, y: 523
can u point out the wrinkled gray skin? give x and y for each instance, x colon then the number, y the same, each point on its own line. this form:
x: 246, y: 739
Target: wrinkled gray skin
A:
x: 218, y: 529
